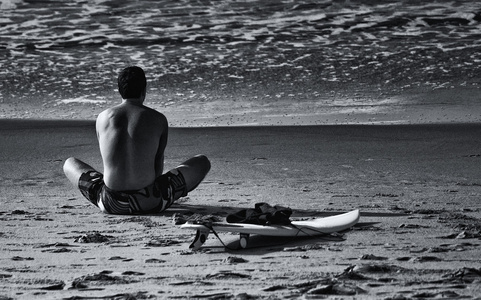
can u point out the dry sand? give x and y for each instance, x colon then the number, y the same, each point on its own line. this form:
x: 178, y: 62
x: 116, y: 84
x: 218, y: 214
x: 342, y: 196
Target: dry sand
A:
x: 417, y: 187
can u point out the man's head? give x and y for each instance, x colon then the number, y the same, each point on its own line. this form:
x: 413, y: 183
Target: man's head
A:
x: 132, y: 83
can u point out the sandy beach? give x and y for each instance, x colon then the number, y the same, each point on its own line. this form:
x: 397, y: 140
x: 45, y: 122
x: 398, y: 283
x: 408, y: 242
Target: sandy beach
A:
x: 417, y: 187
x: 375, y: 106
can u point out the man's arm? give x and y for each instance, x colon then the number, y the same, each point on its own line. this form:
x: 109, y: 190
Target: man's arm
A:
x: 159, y: 159
x: 99, y: 123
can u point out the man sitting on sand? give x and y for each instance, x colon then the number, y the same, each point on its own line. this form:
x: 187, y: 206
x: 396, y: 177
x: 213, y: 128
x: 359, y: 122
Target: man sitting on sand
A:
x: 132, y: 140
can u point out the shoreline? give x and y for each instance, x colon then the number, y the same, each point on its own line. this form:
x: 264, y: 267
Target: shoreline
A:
x: 25, y: 123
x: 347, y: 107
x: 417, y: 187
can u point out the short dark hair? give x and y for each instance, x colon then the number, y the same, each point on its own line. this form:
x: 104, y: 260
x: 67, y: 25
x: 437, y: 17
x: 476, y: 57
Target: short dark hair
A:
x: 131, y: 82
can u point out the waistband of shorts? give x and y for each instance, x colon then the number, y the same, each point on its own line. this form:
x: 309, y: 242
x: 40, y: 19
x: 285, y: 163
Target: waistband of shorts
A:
x: 128, y: 192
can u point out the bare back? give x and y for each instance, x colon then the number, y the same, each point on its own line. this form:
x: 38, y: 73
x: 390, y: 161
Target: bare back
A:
x: 132, y: 140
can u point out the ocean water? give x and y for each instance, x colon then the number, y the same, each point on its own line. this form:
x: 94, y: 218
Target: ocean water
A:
x: 250, y: 62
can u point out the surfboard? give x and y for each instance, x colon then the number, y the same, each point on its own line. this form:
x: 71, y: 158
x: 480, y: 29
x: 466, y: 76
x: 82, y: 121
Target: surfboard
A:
x: 318, y: 226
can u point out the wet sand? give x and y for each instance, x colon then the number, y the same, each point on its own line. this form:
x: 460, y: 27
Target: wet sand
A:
x: 417, y: 187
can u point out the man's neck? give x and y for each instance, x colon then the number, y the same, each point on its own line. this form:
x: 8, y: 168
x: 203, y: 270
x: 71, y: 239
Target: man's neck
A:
x: 133, y: 101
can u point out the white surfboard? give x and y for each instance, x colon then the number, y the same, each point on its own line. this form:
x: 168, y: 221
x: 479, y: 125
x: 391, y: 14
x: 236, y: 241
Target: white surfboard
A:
x: 318, y: 226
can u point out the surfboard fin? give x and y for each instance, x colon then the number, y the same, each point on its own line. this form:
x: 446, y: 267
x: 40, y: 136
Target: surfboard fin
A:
x: 200, y: 238
x: 243, y: 240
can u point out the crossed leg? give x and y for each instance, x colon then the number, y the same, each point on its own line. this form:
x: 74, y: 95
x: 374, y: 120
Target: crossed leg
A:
x: 194, y: 170
x: 73, y: 168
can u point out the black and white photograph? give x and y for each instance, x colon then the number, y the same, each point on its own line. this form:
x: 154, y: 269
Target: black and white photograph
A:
x: 240, y: 149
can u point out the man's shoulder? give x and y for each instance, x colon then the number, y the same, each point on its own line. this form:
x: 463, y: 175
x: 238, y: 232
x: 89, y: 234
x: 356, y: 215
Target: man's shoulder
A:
x: 104, y: 114
x: 154, y: 111
x: 156, y: 115
x: 107, y: 114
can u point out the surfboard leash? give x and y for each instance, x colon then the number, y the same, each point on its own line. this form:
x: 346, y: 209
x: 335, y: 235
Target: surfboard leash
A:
x: 300, y: 229
x: 211, y: 228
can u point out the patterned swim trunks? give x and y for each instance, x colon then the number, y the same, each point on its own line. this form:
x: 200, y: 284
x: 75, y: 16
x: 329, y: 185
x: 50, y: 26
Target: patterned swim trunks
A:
x: 154, y: 198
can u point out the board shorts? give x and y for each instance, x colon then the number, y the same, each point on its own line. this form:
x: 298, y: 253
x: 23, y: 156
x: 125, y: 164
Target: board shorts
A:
x: 154, y: 198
